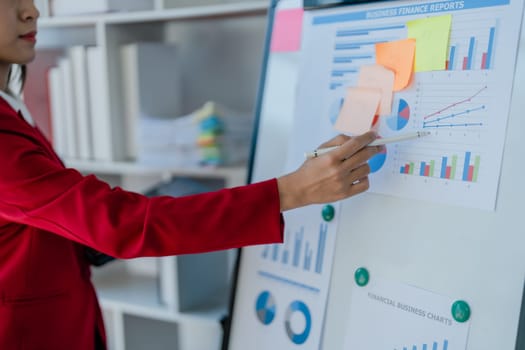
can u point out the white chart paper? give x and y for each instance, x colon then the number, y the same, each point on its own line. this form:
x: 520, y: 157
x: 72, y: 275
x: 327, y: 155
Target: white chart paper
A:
x: 287, y: 285
x: 385, y: 315
x: 464, y: 107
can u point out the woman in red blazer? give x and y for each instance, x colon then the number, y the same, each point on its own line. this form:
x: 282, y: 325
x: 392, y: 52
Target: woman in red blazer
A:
x: 49, y: 214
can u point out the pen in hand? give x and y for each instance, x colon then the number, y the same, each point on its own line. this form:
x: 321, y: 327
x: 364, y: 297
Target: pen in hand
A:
x: 377, y: 142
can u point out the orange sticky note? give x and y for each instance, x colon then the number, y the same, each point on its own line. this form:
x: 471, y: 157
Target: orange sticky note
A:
x: 358, y: 110
x: 399, y: 57
x: 287, y: 30
x: 379, y: 77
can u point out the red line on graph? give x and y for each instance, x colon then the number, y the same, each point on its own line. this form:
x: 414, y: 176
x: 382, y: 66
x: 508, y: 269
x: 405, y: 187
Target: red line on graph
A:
x: 455, y: 104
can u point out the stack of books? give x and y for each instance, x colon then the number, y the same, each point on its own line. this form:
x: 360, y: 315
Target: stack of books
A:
x: 73, y: 109
x: 77, y: 110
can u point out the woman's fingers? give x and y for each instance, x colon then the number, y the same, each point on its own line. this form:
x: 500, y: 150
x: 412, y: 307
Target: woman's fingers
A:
x: 333, y: 176
x: 353, y: 145
x: 359, y: 173
x: 362, y: 185
x: 361, y: 157
x: 336, y: 141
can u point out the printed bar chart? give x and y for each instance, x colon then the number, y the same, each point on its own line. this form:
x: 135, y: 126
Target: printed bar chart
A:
x: 475, y: 55
x: 433, y: 346
x: 451, y: 60
x: 307, y: 257
x: 470, y: 171
x: 366, y: 31
x: 302, y: 253
x: 321, y: 247
x: 487, y: 56
x: 448, y: 169
x: 354, y: 47
x: 297, y: 248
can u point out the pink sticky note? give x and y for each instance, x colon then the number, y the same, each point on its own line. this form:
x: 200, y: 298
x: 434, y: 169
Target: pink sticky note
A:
x: 287, y: 30
x: 379, y: 77
x: 358, y: 111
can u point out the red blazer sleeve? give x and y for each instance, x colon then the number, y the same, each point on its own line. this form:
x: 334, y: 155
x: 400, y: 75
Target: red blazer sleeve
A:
x: 36, y: 190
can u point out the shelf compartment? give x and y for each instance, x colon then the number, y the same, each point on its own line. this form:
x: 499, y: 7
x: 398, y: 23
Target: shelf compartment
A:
x: 121, y: 288
x: 172, y: 14
x: 56, y: 37
x: 150, y: 334
x: 235, y: 175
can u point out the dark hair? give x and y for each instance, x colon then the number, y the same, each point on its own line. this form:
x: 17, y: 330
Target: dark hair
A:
x: 22, y: 76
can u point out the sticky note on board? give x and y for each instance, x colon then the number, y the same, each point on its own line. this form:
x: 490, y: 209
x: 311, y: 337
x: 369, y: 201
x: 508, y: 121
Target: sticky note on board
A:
x: 398, y: 56
x: 359, y: 108
x: 379, y: 77
x: 287, y: 30
x: 432, y: 40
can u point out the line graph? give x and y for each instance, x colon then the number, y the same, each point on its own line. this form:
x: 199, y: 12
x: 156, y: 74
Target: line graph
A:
x: 430, y: 123
x: 458, y: 114
x: 468, y: 99
x: 455, y: 119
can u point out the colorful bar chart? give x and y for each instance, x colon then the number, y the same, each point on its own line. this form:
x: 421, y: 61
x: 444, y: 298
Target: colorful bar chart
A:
x: 475, y: 55
x: 302, y: 253
x: 448, y: 168
x: 487, y: 56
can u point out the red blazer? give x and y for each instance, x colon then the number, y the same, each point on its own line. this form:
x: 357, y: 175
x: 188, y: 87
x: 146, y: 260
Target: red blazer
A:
x: 48, y: 213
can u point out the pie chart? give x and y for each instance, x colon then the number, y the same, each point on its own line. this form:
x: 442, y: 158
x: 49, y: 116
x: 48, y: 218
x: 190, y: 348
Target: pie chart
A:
x: 377, y: 161
x: 400, y: 119
x: 265, y: 308
x: 300, y: 308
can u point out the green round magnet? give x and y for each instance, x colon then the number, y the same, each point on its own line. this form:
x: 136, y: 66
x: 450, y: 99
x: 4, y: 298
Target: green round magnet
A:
x: 328, y: 212
x: 461, y: 311
x: 361, y: 277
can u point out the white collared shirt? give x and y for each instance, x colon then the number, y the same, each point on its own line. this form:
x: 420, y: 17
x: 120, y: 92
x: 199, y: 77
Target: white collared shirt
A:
x: 18, y: 106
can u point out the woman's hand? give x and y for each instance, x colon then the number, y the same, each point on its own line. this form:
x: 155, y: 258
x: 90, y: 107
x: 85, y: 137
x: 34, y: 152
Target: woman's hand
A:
x: 330, y: 177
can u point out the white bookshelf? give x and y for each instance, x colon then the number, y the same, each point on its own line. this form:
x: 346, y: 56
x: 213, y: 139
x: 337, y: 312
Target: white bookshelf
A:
x: 137, y: 294
x: 169, y: 14
x: 233, y: 176
x: 221, y: 45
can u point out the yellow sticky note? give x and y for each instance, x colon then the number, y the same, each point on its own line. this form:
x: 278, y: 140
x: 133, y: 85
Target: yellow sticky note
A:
x: 358, y: 110
x: 432, y: 38
x: 399, y: 57
x: 379, y: 77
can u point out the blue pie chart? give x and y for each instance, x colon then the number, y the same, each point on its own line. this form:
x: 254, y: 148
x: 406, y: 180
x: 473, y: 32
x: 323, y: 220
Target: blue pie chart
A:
x: 377, y: 161
x: 401, y: 118
x: 298, y: 307
x: 265, y: 308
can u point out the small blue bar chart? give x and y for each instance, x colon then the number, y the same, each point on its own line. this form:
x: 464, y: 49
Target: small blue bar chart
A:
x: 302, y: 253
x: 430, y: 346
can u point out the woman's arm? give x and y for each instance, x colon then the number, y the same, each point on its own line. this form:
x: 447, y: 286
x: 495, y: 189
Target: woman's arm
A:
x: 36, y: 190
x: 336, y: 175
